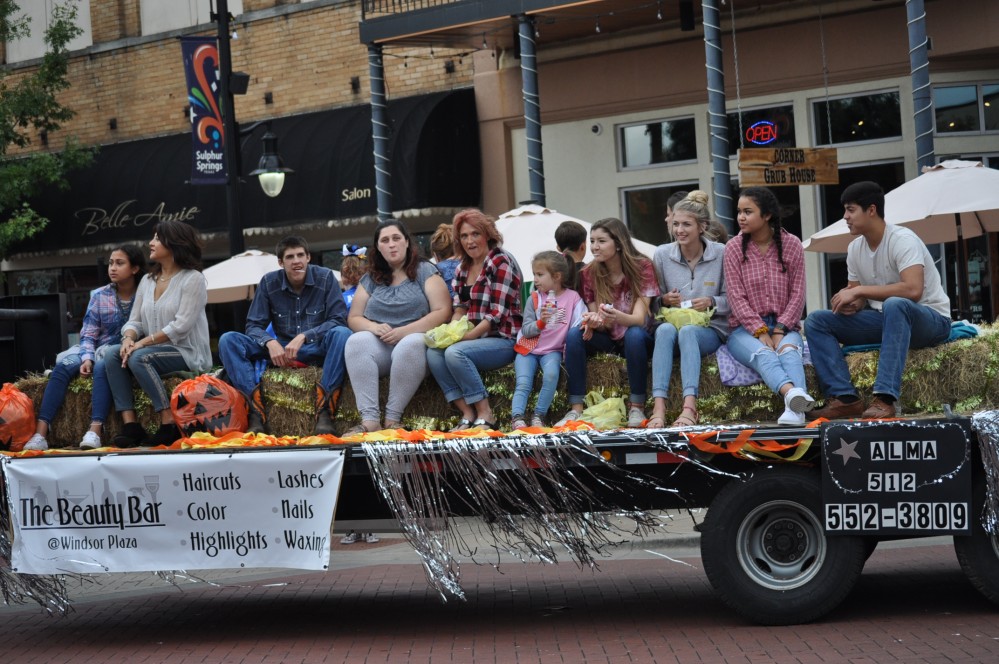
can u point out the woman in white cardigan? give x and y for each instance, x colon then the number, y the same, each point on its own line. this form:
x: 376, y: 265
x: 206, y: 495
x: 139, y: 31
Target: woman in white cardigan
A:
x: 167, y: 332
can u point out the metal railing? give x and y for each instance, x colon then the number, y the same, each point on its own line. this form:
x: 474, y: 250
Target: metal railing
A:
x: 387, y: 7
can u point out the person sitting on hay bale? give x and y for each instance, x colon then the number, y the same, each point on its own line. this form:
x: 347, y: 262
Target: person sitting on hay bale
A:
x: 167, y: 332
x: 401, y: 297
x: 109, y: 309
x: 305, y: 305
x: 893, y: 297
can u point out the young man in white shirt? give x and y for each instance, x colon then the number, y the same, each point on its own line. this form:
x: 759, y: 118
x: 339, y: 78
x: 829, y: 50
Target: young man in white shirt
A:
x: 893, y: 297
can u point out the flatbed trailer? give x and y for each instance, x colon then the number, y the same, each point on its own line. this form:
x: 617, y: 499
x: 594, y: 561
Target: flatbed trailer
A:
x: 792, y: 513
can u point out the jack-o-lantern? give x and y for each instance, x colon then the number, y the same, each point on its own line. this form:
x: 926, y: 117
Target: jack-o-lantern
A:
x: 17, y: 418
x: 208, y: 404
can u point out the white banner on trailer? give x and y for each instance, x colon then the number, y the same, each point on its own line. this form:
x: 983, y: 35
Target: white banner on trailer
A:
x: 150, y: 512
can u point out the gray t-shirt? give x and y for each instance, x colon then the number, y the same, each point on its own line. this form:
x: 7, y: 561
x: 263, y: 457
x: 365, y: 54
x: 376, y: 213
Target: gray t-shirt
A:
x: 899, y: 249
x: 399, y: 305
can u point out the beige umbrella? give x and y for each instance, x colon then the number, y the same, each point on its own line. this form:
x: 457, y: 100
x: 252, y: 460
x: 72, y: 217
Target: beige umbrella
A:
x: 531, y: 228
x: 951, y: 200
x: 236, y: 278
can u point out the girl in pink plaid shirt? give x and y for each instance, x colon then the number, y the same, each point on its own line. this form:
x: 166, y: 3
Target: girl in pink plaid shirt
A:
x: 765, y: 274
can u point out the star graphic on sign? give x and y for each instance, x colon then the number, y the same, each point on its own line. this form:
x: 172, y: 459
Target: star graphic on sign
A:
x: 847, y: 450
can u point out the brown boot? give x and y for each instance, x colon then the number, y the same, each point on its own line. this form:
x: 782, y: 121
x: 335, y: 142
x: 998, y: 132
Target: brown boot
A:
x: 326, y: 407
x: 256, y: 416
x: 836, y: 409
x: 879, y: 410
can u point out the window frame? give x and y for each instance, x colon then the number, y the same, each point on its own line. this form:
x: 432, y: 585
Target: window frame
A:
x: 620, y: 147
x: 980, y: 99
x: 819, y: 142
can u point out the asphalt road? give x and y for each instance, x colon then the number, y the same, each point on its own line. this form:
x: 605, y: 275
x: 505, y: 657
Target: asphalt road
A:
x: 648, y: 602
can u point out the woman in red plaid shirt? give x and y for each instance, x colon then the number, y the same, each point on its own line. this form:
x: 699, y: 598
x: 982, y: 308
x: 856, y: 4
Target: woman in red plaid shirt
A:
x: 765, y: 274
x: 486, y: 289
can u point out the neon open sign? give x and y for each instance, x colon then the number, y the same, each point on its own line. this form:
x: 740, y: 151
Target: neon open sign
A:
x: 762, y: 132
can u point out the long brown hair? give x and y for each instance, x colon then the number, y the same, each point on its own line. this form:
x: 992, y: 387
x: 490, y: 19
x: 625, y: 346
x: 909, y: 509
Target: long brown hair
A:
x: 632, y: 262
x: 182, y: 240
x: 378, y: 267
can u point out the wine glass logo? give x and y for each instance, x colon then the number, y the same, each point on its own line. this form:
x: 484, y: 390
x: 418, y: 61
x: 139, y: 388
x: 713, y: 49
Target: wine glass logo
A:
x: 152, y: 486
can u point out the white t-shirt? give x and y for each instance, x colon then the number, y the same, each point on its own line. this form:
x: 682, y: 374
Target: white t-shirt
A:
x: 900, y: 248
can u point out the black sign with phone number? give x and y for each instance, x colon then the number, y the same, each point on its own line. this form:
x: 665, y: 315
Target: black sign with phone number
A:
x: 900, y: 478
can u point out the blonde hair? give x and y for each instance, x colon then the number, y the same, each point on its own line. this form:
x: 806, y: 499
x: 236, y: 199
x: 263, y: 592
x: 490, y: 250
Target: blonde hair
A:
x: 442, y: 242
x: 696, y: 204
x: 351, y: 270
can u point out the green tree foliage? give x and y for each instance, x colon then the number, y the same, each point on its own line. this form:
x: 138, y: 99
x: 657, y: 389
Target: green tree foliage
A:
x: 29, y: 104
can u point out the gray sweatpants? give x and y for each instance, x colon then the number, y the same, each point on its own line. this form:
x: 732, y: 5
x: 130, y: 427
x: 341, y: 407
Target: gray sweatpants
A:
x: 369, y: 358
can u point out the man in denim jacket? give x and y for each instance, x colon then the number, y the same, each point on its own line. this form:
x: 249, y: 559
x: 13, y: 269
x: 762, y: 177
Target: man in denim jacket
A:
x: 304, y: 304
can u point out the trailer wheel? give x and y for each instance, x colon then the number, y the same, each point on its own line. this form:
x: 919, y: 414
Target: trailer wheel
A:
x: 766, y: 554
x: 978, y: 553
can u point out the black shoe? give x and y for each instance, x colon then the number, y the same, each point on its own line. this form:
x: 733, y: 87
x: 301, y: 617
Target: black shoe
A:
x: 132, y: 435
x: 324, y: 423
x: 165, y: 435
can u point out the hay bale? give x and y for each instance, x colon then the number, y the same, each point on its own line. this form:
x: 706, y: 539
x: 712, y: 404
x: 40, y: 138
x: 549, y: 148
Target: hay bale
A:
x: 290, y: 399
x: 73, y: 419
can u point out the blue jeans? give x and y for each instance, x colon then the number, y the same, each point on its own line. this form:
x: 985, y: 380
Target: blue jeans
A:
x: 238, y: 353
x: 526, y: 367
x: 59, y: 379
x: 902, y: 324
x: 635, y: 347
x: 456, y: 368
x: 146, y: 365
x: 775, y: 367
x: 693, y: 342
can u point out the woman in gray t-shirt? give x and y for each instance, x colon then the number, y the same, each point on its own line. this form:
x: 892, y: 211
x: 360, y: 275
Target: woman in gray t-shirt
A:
x: 401, y: 297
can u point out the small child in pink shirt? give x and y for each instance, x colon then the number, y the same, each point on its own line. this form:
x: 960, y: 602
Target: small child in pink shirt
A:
x: 550, y: 311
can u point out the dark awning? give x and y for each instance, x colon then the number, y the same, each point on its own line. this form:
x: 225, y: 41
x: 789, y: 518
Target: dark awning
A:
x: 434, y: 147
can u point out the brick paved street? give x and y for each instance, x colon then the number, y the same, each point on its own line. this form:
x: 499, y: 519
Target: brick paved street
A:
x: 913, y: 604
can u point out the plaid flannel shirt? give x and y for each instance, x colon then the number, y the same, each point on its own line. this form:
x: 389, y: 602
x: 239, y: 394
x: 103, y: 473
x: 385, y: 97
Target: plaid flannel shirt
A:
x: 102, y: 322
x: 757, y: 286
x: 495, y: 295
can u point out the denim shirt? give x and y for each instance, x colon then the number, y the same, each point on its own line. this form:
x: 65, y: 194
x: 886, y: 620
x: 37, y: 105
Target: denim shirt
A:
x: 318, y: 309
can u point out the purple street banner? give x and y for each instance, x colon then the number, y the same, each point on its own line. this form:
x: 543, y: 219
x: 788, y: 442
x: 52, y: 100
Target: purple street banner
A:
x: 201, y: 68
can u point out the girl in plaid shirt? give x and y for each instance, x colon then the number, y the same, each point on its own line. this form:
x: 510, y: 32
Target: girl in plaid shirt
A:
x: 108, y: 310
x: 486, y: 289
x: 765, y: 275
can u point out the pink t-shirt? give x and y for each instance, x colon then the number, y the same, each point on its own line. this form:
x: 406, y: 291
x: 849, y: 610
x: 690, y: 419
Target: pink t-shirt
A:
x: 622, y: 295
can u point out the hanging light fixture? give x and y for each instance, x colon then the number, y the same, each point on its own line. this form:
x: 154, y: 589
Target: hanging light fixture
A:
x: 271, y: 169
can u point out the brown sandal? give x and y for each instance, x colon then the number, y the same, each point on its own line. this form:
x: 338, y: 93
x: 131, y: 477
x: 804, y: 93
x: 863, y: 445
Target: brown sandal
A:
x: 656, y: 422
x: 684, y: 420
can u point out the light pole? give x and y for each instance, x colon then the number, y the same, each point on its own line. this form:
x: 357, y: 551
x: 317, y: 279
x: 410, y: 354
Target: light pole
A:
x: 235, y: 222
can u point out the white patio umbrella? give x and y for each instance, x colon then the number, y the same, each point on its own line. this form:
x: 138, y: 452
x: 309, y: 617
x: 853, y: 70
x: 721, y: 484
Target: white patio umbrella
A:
x: 236, y: 278
x: 531, y: 228
x: 947, y: 197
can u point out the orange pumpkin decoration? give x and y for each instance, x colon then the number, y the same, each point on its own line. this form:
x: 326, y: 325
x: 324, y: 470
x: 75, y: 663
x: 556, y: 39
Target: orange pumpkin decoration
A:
x: 17, y: 418
x: 208, y: 404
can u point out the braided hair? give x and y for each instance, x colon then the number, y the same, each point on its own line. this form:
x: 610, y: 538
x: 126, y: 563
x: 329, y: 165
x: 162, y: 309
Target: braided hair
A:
x: 767, y: 202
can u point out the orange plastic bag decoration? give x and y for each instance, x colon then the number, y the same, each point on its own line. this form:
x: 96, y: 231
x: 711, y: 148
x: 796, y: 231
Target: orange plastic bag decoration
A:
x: 208, y: 404
x: 17, y: 418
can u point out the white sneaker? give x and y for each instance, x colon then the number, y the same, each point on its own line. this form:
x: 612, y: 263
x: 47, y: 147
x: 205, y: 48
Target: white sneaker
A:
x: 798, y: 400
x: 536, y: 421
x: 349, y: 538
x: 518, y: 423
x: 791, y: 419
x: 571, y: 416
x: 371, y: 538
x: 635, y: 417
x: 37, y: 443
x: 90, y: 441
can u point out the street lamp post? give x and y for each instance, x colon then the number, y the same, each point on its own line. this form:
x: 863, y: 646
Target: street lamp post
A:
x: 235, y: 222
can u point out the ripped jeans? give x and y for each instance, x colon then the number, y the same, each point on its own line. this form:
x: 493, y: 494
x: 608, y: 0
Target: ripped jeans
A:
x: 776, y: 368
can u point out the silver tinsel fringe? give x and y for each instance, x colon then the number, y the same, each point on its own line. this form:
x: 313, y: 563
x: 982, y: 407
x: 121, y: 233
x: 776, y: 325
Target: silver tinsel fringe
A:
x: 537, y: 514
x: 986, y: 425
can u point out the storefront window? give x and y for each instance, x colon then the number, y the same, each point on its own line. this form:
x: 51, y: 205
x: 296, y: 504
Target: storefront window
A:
x: 855, y: 119
x: 645, y: 210
x: 956, y: 109
x: 990, y: 101
x: 659, y: 142
x: 764, y: 127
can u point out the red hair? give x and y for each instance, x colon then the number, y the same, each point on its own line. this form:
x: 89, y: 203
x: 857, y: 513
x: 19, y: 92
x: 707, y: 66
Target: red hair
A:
x: 480, y: 222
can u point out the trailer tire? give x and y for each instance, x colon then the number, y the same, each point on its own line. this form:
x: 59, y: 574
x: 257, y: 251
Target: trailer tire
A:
x: 765, y: 552
x: 978, y: 553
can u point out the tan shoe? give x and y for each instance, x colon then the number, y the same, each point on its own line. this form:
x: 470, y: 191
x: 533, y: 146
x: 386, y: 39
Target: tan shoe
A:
x: 879, y: 410
x: 837, y: 410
